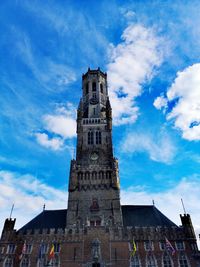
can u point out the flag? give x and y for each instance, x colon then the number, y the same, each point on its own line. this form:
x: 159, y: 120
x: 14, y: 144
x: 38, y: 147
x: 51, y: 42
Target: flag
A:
x: 52, y: 252
x: 132, y: 248
x: 23, y: 251
x: 169, y: 247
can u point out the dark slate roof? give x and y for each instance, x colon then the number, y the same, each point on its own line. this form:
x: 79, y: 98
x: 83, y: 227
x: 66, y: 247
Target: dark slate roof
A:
x: 47, y: 219
x: 144, y: 216
x: 132, y: 216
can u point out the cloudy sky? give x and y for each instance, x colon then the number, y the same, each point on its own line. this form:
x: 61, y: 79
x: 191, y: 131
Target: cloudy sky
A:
x: 151, y: 52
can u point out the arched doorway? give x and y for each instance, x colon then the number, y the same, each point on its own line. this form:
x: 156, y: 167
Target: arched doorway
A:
x: 96, y: 264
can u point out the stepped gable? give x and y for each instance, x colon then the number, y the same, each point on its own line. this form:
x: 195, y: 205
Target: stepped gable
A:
x: 144, y: 215
x: 47, y: 219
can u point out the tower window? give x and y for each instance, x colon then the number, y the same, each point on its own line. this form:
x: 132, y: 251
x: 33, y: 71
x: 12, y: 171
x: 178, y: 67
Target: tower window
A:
x: 101, y: 88
x: 90, y: 138
x: 94, y: 87
x: 94, y: 111
x: 87, y: 88
x: 98, y: 138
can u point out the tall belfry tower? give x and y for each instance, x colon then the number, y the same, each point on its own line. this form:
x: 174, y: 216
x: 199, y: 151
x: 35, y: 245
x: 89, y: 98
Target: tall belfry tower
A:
x: 94, y: 198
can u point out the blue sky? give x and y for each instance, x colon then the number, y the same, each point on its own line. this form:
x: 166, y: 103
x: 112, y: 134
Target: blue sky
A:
x: 151, y: 52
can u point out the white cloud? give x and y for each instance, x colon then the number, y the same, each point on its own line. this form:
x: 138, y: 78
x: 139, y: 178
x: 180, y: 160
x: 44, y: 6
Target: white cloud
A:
x: 54, y: 143
x: 169, y: 201
x: 61, y: 123
x: 186, y: 112
x: 160, y: 147
x: 160, y: 102
x: 132, y: 63
x: 29, y: 195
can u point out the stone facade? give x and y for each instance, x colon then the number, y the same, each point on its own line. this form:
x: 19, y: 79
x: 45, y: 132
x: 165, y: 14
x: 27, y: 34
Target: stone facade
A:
x: 95, y: 230
x: 94, y: 181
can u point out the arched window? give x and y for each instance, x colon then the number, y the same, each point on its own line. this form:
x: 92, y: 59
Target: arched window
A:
x: 151, y: 262
x: 8, y: 262
x: 183, y: 262
x: 135, y: 261
x: 90, y: 138
x: 167, y: 262
x: 101, y: 88
x: 108, y: 175
x: 100, y: 175
x: 94, y: 86
x: 94, y: 175
x: 25, y: 262
x: 98, y: 137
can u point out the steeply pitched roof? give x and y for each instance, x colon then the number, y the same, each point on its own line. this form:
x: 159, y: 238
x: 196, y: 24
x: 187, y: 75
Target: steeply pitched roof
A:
x: 47, y: 219
x: 132, y: 216
x: 144, y: 216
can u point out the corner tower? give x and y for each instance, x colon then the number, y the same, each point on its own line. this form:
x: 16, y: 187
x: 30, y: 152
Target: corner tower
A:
x: 94, y: 197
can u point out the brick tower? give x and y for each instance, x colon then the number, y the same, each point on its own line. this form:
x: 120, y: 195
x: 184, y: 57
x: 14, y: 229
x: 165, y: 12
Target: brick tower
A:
x: 94, y: 182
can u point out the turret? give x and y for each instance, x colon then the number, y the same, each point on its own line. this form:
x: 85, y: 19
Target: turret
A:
x: 9, y: 225
x: 187, y: 226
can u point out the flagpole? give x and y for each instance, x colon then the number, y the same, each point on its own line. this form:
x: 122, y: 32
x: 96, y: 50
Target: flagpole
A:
x: 11, y: 211
x: 183, y: 206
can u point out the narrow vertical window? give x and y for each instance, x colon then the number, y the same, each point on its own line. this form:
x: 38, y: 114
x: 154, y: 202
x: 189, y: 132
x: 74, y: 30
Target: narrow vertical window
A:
x: 74, y: 254
x: 90, y: 138
x: 94, y: 111
x: 94, y: 86
x: 115, y: 254
x: 101, y: 88
x: 87, y: 88
x: 98, y: 137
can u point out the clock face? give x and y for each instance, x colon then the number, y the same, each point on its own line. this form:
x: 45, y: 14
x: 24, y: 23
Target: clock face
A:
x: 93, y: 101
x: 94, y: 156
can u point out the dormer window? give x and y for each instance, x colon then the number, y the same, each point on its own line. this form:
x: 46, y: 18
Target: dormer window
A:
x: 94, y: 87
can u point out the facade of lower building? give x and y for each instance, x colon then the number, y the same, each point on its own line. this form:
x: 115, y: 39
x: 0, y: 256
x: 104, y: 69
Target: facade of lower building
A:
x: 96, y: 230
